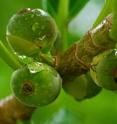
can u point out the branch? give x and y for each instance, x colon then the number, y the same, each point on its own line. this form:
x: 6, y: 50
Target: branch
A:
x: 12, y: 110
x: 75, y: 61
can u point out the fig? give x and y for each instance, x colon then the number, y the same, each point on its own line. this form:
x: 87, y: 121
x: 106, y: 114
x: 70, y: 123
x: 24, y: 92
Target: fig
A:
x: 106, y: 70
x: 92, y: 88
x: 94, y: 63
x: 36, y: 84
x: 30, y: 31
x: 82, y: 87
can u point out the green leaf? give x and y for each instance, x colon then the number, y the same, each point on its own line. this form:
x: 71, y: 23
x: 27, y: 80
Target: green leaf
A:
x: 106, y: 10
x: 51, y: 6
x: 76, y: 6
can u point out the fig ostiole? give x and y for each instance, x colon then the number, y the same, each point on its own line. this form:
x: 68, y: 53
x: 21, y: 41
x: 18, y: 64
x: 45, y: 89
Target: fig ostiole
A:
x: 36, y: 84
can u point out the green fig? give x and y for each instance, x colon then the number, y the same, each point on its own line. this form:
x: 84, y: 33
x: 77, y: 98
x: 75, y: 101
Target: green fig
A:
x: 57, y: 45
x: 92, y: 88
x: 76, y: 87
x: 30, y: 31
x: 36, y: 84
x: 82, y: 87
x: 106, y: 70
x: 94, y: 63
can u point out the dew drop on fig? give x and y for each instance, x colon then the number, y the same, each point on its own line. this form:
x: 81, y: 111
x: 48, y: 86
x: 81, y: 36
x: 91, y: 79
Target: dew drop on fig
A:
x: 24, y: 59
x: 35, y: 67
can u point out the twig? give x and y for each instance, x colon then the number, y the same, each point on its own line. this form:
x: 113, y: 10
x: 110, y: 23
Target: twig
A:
x: 11, y: 110
x: 76, y: 60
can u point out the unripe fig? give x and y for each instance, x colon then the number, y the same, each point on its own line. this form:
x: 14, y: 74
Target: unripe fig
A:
x: 81, y: 87
x: 36, y: 84
x: 31, y: 30
x: 92, y: 88
x: 94, y: 63
x: 56, y: 49
x: 106, y: 70
x: 76, y: 87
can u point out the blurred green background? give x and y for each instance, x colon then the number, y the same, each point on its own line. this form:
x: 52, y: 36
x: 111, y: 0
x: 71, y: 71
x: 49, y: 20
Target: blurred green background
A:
x: 101, y: 109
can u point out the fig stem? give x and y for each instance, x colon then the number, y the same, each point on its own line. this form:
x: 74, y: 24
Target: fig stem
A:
x: 77, y: 59
x: 62, y: 20
x: 12, y: 110
x: 9, y: 57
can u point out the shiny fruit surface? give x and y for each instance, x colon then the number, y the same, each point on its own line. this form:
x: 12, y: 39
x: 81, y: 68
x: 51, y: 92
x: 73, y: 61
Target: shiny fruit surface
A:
x: 36, y: 84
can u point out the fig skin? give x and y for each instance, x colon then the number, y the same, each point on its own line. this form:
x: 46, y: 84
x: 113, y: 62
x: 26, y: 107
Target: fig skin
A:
x: 106, y: 70
x: 94, y: 63
x: 81, y: 88
x: 92, y: 88
x: 36, y: 87
x: 31, y: 30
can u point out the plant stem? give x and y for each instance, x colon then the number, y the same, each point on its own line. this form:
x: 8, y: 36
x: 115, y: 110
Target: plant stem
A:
x: 113, y: 32
x: 11, y: 110
x: 77, y: 59
x: 63, y: 11
x: 107, y: 9
x: 9, y: 57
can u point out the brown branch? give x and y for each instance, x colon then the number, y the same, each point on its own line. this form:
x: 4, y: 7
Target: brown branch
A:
x: 75, y: 61
x: 12, y: 110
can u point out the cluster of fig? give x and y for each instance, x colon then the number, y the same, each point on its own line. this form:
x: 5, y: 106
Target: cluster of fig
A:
x: 82, y: 87
x: 31, y: 33
x: 102, y: 74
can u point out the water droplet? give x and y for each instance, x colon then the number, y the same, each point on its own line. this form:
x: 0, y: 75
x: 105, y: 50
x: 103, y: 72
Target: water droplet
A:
x: 35, y: 26
x: 24, y: 59
x: 115, y: 52
x: 35, y: 67
x: 42, y: 38
x: 42, y: 12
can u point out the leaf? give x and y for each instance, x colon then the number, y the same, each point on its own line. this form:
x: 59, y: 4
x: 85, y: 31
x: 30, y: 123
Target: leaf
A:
x: 51, y: 6
x: 76, y: 6
x: 106, y: 10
